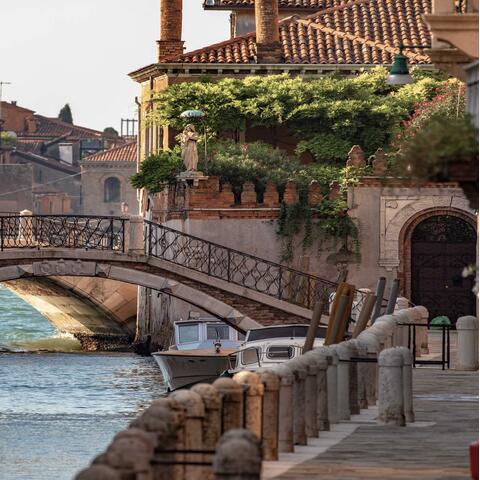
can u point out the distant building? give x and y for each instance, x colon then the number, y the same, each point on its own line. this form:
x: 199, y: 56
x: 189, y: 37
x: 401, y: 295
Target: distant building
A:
x: 53, y: 149
x: 105, y: 181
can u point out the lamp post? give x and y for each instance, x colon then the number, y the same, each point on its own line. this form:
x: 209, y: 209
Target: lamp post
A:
x: 198, y: 114
x: 399, y: 73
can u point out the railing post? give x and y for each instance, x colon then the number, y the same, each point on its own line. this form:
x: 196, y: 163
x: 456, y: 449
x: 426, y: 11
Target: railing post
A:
x: 209, y: 258
x: 111, y: 234
x: 228, y: 265
x: 280, y: 275
x: 149, y: 251
x: 1, y: 233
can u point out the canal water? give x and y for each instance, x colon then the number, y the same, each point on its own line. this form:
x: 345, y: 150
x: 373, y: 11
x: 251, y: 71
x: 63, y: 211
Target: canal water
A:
x: 60, y: 407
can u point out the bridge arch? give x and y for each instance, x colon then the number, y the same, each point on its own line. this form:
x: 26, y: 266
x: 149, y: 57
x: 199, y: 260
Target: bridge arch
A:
x: 128, y: 273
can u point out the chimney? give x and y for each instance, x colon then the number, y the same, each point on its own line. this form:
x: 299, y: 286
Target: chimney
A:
x: 266, y: 24
x: 170, y: 42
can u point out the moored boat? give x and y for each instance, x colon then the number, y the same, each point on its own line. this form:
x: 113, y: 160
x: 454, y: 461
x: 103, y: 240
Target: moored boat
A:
x: 201, y: 352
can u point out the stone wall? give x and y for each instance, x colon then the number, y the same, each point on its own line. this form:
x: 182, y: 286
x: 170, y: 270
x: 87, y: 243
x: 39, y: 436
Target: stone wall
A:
x: 17, y: 179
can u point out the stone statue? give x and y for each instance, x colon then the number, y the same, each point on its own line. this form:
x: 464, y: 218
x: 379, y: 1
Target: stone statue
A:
x: 189, y: 148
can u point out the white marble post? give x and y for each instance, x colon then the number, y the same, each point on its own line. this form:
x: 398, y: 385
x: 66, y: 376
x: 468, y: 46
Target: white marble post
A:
x: 285, y: 409
x: 467, y: 331
x: 343, y: 381
x: 390, y: 387
x: 407, y: 384
x: 332, y: 389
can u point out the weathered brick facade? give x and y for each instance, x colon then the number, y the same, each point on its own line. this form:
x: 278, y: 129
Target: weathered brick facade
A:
x: 170, y: 43
x: 268, y: 39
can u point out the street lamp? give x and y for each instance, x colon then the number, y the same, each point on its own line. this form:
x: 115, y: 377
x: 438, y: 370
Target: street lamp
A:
x: 399, y: 73
x: 198, y: 115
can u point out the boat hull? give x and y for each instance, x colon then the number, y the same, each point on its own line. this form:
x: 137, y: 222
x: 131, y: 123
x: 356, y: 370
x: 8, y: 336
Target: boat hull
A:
x: 181, y: 371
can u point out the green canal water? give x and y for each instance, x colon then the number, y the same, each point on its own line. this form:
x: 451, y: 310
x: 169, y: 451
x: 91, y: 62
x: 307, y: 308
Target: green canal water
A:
x: 59, y: 408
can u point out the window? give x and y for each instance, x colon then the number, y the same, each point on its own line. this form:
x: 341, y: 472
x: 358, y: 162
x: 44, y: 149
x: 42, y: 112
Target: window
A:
x: 188, y: 333
x: 250, y: 355
x: 280, y: 352
x: 112, y: 190
x: 215, y: 331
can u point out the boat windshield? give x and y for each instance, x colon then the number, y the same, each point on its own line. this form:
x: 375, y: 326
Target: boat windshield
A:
x: 188, y: 333
x: 288, y: 331
x: 215, y: 331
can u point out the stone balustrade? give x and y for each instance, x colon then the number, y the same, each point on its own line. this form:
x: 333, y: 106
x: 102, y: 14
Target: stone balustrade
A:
x: 226, y: 429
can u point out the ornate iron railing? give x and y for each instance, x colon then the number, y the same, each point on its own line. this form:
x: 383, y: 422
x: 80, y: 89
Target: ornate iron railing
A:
x: 62, y: 231
x: 236, y: 267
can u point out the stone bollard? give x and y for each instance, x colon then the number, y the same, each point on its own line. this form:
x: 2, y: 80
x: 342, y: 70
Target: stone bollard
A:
x: 194, y: 413
x: 300, y: 375
x: 401, y: 332
x: 467, y: 331
x: 253, y: 396
x: 343, y: 381
x: 332, y: 386
x: 231, y: 394
x: 421, y: 316
x: 362, y: 375
x: 407, y: 384
x: 130, y: 458
x: 310, y: 363
x: 238, y: 456
x: 285, y: 408
x: 372, y: 344
x: 98, y: 472
x: 163, y: 423
x: 270, y: 409
x: 212, y: 422
x: 353, y: 378
x: 25, y: 227
x: 390, y: 388
x: 323, y: 359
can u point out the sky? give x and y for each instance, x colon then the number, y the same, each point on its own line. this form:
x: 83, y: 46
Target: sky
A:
x: 81, y: 51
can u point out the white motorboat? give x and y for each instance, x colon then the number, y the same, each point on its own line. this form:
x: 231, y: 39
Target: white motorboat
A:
x: 201, y: 352
x: 269, y: 346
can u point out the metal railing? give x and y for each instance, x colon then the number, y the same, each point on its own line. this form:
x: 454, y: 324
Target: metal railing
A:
x: 62, y: 231
x: 233, y: 266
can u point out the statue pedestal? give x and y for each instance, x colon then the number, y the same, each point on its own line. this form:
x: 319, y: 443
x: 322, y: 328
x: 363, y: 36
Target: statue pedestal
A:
x: 192, y: 177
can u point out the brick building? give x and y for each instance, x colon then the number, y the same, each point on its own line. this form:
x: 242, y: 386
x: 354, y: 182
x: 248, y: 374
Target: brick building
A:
x: 53, y: 149
x: 105, y: 181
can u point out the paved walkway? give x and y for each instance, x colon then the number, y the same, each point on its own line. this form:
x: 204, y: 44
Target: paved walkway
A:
x: 434, y: 447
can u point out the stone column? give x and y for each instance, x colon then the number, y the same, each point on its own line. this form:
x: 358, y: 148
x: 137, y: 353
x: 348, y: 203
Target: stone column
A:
x: 370, y: 341
x: 238, y: 456
x: 343, y: 381
x: 212, y: 423
x: 300, y: 375
x: 165, y: 426
x: 421, y: 315
x: 25, y: 227
x: 310, y: 363
x: 194, y: 414
x: 353, y: 378
x: 253, y: 389
x: 467, y: 331
x: 270, y: 419
x: 134, y: 235
x: 390, y: 388
x: 362, y: 375
x: 285, y: 408
x: 231, y: 394
x: 332, y: 386
x: 407, y: 384
x: 323, y: 360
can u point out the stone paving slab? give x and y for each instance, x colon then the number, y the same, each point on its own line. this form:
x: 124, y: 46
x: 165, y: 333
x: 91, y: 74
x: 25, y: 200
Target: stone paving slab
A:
x: 435, y: 447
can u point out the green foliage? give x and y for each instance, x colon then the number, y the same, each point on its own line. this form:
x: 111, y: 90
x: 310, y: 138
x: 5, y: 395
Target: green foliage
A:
x: 110, y: 132
x: 7, y: 140
x: 327, y: 115
x: 65, y: 114
x: 157, y: 171
x: 436, y: 135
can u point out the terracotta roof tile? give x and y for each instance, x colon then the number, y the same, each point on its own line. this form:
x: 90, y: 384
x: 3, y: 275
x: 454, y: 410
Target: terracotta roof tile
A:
x: 53, y: 127
x: 123, y: 153
x: 353, y: 32
x: 282, y: 4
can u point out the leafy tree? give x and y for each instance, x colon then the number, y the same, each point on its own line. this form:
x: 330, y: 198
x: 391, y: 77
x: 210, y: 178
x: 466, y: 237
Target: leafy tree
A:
x: 327, y: 115
x: 65, y: 114
x: 110, y: 132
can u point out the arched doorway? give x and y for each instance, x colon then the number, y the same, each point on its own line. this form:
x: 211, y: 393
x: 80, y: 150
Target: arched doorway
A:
x: 441, y: 246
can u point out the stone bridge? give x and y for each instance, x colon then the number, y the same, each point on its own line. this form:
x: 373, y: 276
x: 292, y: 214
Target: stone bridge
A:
x: 240, y: 289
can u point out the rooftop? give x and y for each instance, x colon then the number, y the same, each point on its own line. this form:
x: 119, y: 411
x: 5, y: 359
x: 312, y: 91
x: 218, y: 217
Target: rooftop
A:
x: 308, y: 5
x: 122, y: 153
